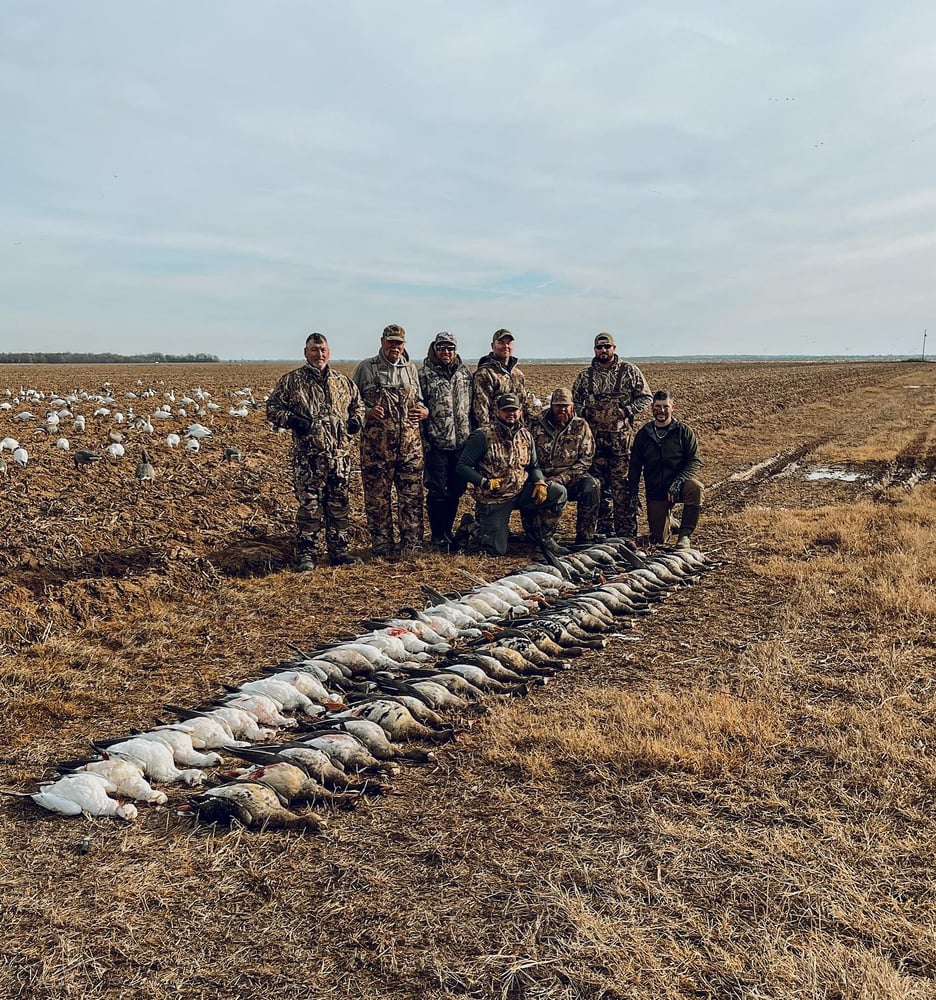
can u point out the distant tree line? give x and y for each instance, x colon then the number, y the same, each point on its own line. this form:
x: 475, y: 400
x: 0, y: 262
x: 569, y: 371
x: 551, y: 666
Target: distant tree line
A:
x: 81, y: 358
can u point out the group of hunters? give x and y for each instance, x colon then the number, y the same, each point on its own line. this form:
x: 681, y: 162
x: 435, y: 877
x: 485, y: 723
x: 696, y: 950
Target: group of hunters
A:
x: 435, y: 430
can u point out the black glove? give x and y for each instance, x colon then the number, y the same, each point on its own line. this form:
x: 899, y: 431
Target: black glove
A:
x: 301, y: 425
x: 354, y: 425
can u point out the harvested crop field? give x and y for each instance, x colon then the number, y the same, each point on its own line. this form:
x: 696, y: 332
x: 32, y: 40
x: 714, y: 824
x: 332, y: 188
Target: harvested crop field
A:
x: 739, y: 804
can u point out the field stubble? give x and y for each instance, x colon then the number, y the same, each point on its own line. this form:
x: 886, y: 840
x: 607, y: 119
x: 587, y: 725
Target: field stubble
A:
x: 737, y: 805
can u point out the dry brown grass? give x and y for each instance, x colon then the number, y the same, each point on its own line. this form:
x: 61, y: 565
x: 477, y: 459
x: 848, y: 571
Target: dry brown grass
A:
x: 739, y: 805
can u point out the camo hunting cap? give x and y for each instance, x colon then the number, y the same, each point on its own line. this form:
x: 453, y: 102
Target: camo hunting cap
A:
x: 503, y: 335
x: 561, y: 397
x: 394, y: 332
x: 604, y: 340
x: 445, y: 339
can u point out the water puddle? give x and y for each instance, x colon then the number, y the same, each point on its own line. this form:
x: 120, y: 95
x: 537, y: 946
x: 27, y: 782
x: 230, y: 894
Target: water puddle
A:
x: 837, y: 472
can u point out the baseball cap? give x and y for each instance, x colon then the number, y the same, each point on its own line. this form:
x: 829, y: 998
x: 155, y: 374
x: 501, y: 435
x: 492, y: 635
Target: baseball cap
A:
x: 561, y: 395
x: 503, y: 335
x: 507, y: 401
x: 445, y: 339
x: 394, y: 332
x: 604, y: 338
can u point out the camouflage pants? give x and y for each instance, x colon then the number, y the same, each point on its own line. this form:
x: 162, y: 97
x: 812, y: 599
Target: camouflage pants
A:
x: 381, y: 473
x: 321, y: 484
x: 584, y: 492
x: 617, y: 509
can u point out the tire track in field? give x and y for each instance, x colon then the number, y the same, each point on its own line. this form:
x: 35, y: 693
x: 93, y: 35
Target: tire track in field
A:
x: 740, y: 487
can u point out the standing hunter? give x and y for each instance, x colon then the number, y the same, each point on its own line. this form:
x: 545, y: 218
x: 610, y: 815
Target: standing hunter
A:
x: 565, y: 449
x: 498, y: 374
x: 446, y: 390
x: 323, y: 410
x: 391, y: 447
x: 609, y: 393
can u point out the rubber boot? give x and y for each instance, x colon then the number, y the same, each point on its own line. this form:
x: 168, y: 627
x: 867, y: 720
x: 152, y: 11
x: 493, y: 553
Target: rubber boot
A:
x: 690, y: 518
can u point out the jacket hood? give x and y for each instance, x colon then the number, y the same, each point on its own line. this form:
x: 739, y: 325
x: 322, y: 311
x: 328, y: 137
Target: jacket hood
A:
x: 490, y: 360
x: 431, y: 362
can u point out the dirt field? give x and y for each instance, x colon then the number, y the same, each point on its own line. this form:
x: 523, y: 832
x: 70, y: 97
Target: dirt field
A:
x: 739, y: 804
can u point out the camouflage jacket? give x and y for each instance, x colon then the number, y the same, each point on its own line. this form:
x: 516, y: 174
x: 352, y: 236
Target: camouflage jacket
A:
x: 446, y: 391
x: 330, y: 402
x: 674, y: 458
x: 565, y: 453
x: 609, y: 399
x: 490, y: 380
x: 396, y: 389
x: 498, y: 451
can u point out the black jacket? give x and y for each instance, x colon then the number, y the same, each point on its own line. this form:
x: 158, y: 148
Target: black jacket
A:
x: 663, y: 463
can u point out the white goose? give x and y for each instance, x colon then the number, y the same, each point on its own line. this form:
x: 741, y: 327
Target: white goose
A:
x: 128, y: 779
x: 156, y: 760
x: 83, y: 793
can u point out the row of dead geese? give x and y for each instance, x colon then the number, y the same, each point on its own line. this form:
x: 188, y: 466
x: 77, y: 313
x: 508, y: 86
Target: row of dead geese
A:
x: 332, y: 727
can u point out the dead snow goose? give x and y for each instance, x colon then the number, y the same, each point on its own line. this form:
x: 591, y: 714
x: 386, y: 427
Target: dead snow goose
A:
x: 309, y: 685
x: 264, y: 709
x: 156, y: 760
x: 241, y: 724
x: 83, y: 793
x: 180, y: 743
x: 287, y: 695
x: 127, y: 777
x: 206, y: 733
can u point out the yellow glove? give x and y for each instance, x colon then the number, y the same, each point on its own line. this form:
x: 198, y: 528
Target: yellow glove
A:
x: 540, y: 490
x: 492, y: 484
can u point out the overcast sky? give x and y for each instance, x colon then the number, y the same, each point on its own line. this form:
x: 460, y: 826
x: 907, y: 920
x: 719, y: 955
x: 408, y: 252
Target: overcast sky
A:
x: 696, y: 177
